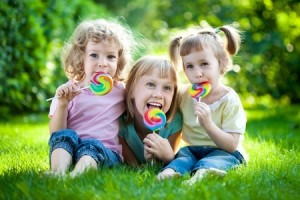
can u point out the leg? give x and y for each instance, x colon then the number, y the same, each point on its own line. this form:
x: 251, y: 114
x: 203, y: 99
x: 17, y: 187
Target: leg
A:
x: 183, y: 163
x: 91, y: 154
x: 61, y: 160
x: 84, y: 163
x: 62, y: 143
x: 216, y: 162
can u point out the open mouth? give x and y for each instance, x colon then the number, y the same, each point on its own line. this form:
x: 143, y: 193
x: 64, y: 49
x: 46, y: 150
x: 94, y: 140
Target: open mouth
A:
x: 154, y: 105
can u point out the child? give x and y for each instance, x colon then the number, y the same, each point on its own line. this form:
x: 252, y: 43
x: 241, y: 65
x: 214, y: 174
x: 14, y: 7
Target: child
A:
x: 151, y: 82
x: 215, y: 139
x: 84, y: 127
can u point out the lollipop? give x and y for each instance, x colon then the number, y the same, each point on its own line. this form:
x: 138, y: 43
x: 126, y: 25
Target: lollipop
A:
x: 154, y: 119
x: 200, y: 90
x: 101, y: 84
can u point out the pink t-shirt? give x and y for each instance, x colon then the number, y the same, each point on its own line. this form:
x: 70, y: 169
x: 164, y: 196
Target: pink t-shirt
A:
x: 96, y: 117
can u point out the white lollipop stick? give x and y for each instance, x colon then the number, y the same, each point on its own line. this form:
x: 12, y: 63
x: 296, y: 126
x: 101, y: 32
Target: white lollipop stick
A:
x: 56, y: 97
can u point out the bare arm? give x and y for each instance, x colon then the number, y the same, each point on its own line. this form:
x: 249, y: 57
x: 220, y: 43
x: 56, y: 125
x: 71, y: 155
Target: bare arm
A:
x: 66, y: 93
x: 224, y: 140
x: 59, y: 120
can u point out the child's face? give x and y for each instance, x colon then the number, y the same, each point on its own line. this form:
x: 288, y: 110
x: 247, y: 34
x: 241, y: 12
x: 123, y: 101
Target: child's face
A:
x: 102, y: 56
x: 153, y: 91
x: 202, y: 66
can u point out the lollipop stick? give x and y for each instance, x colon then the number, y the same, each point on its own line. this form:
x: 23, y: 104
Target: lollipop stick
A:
x: 197, y: 120
x: 56, y: 97
x: 152, y: 158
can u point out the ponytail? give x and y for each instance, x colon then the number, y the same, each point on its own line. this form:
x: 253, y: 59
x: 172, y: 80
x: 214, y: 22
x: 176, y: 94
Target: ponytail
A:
x: 174, y: 52
x: 233, y: 39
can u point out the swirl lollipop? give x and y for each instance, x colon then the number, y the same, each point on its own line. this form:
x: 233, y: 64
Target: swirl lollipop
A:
x: 200, y: 90
x: 101, y: 84
x: 154, y: 119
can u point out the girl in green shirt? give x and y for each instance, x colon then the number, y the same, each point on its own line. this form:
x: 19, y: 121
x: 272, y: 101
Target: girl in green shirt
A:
x: 151, y: 83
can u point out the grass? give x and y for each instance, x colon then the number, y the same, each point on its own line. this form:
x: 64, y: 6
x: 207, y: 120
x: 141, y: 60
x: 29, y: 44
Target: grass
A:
x: 272, y: 141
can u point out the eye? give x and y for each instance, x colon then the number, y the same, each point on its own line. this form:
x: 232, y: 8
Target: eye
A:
x: 150, y: 84
x: 189, y: 67
x: 168, y: 88
x: 204, y: 64
x: 112, y: 57
x: 94, y: 55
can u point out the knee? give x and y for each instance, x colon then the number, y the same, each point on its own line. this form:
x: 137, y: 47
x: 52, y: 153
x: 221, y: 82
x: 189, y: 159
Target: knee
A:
x: 64, y: 135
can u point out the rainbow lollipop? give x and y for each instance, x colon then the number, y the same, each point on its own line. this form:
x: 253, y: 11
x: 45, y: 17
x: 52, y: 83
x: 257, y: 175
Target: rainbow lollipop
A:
x: 101, y: 84
x: 154, y: 119
x: 200, y: 90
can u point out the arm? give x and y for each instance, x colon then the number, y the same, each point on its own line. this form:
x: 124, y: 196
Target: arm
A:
x: 66, y: 93
x: 129, y: 157
x: 224, y: 140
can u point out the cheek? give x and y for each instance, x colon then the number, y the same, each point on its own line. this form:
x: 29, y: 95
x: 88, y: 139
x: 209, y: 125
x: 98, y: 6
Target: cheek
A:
x: 168, y: 102
x: 188, y: 74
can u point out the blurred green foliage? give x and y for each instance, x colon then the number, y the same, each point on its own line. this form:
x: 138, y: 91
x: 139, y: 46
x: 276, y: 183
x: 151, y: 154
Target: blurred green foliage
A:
x: 32, y: 33
x: 268, y: 62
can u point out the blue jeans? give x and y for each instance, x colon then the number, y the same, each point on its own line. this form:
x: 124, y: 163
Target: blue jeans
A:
x: 191, y: 158
x: 68, y: 140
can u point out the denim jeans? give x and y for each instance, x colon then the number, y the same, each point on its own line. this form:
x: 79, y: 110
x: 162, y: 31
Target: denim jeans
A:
x: 191, y: 158
x: 68, y: 140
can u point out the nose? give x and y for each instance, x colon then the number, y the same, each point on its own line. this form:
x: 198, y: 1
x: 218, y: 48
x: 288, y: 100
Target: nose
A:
x: 102, y: 62
x: 158, y: 93
x: 199, y: 73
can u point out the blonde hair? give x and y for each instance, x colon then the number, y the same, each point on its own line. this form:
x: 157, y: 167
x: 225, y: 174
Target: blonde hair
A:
x: 146, y: 65
x: 97, y: 30
x: 223, y: 47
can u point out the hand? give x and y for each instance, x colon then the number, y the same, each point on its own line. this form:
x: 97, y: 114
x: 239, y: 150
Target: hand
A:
x: 157, y: 147
x: 67, y: 92
x: 148, y: 156
x: 203, y: 112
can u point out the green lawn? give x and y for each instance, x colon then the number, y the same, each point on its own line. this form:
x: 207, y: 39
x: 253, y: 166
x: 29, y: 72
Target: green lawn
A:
x: 272, y: 141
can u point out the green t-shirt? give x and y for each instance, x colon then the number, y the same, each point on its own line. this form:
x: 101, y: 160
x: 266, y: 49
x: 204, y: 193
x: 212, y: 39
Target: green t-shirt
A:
x: 129, y: 134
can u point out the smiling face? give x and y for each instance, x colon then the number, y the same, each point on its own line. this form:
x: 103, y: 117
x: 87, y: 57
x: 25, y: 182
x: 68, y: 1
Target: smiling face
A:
x: 152, y: 90
x: 200, y: 66
x: 100, y: 57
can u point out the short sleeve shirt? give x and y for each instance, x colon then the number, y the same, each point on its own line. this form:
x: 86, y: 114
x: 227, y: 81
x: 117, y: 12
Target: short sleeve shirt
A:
x: 227, y: 113
x: 97, y: 117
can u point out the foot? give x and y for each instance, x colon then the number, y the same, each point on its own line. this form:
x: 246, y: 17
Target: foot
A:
x: 167, y: 173
x: 83, y: 164
x: 202, y: 173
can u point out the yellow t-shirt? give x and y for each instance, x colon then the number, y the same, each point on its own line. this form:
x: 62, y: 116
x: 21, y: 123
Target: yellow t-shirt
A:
x: 227, y: 113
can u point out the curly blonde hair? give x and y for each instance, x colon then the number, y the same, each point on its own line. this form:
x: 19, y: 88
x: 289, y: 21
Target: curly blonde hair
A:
x: 97, y: 30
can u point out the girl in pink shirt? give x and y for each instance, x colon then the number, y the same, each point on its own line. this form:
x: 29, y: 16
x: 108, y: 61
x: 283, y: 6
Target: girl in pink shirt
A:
x: 84, y: 126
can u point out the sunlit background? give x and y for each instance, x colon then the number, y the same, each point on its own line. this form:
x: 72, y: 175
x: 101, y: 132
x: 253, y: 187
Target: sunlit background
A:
x: 32, y: 33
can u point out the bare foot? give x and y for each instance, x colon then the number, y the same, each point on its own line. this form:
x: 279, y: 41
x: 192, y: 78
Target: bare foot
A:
x: 202, y: 173
x: 167, y: 173
x: 83, y: 164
